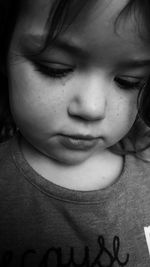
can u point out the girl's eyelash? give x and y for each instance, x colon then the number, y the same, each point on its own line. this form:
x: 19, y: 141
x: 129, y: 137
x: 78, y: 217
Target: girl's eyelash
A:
x: 59, y: 73
x: 125, y: 84
x: 56, y: 73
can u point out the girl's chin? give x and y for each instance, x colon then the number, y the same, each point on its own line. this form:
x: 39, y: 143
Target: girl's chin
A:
x: 72, y: 158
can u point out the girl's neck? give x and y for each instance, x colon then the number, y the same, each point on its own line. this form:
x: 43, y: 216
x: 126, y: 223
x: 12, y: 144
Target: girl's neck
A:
x: 97, y: 172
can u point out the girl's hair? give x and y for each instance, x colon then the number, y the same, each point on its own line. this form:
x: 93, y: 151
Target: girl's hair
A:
x: 61, y: 15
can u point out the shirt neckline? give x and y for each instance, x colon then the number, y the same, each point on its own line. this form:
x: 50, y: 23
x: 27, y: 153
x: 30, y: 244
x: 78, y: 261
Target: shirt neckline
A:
x: 63, y: 194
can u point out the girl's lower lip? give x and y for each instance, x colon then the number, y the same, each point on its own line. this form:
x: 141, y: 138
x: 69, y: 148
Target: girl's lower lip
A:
x: 73, y: 143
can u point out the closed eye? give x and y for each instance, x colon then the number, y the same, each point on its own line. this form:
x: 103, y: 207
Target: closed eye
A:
x: 130, y: 83
x: 53, y: 70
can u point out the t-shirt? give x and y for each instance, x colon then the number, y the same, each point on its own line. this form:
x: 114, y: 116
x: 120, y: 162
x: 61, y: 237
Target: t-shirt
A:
x: 46, y: 225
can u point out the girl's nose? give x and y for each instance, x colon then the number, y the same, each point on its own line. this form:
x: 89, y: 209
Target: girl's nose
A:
x: 89, y: 100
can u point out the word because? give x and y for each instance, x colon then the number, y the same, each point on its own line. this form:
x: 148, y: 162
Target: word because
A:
x: 99, y: 261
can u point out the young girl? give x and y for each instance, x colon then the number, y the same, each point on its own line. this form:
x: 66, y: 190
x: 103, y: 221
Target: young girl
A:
x: 74, y: 179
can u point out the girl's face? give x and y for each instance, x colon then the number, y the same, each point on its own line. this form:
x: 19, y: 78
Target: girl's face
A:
x: 79, y: 97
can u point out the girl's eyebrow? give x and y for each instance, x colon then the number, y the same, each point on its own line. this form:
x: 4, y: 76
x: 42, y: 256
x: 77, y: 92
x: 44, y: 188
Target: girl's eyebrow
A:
x: 68, y: 46
x: 135, y: 63
x: 77, y: 49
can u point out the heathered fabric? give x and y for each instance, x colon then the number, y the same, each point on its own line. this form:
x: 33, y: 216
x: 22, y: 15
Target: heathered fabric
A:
x: 42, y: 224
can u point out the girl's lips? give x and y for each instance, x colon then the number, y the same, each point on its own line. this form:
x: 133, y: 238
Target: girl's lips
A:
x: 78, y: 142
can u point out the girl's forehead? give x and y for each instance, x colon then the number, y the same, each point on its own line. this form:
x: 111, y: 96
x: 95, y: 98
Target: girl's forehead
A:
x: 40, y: 8
x: 97, y: 17
x: 36, y: 12
x: 35, y: 6
x: 94, y: 14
